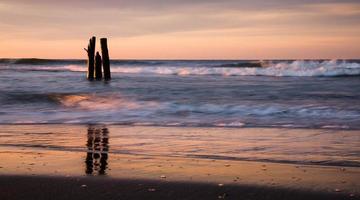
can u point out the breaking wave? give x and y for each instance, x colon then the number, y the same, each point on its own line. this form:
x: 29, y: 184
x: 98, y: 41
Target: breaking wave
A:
x: 296, y: 68
x: 114, y: 108
x: 299, y: 68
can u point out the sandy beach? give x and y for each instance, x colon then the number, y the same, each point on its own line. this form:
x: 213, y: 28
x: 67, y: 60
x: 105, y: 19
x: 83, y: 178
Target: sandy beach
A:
x: 96, y: 171
x: 47, y: 187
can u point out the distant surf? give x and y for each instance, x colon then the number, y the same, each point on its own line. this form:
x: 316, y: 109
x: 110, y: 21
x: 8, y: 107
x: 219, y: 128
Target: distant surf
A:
x: 292, y: 68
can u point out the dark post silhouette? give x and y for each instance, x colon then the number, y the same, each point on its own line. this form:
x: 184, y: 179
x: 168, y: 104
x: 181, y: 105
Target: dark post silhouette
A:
x: 105, y: 58
x: 98, y: 70
x: 91, y: 54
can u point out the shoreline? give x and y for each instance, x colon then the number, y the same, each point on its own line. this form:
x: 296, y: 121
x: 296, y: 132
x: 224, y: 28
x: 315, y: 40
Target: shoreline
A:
x: 107, y: 155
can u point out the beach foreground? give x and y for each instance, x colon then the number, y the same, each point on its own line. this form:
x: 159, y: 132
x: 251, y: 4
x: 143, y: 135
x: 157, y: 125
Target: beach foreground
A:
x: 144, y: 162
x: 47, y: 187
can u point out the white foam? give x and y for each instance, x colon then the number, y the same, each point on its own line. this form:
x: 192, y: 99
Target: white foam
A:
x: 335, y: 127
x: 295, y: 68
x: 231, y: 124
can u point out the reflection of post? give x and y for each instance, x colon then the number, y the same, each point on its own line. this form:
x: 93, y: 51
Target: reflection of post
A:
x: 97, y: 150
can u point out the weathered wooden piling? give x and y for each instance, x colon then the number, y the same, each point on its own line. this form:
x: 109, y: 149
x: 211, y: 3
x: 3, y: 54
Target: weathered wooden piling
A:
x: 105, y: 58
x: 98, y: 70
x: 91, y: 53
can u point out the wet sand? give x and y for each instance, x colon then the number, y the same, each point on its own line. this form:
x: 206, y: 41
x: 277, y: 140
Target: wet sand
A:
x: 45, y: 187
x: 50, y: 172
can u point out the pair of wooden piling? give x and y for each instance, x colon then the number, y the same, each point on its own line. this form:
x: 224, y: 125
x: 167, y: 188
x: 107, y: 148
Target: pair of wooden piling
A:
x: 95, y: 62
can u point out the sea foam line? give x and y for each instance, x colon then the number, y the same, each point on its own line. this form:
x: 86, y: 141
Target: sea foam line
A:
x: 295, y: 68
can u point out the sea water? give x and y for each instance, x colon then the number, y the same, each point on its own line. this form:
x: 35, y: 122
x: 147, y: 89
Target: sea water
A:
x: 282, y: 93
x: 288, y: 111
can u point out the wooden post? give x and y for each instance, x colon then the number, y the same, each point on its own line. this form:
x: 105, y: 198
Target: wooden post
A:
x: 98, y: 70
x: 91, y: 53
x: 105, y: 58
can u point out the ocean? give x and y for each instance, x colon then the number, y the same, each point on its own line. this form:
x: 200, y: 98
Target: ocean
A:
x: 285, y: 111
x: 272, y: 93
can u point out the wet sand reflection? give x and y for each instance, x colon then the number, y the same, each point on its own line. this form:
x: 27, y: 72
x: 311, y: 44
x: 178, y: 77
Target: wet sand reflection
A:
x: 97, y: 150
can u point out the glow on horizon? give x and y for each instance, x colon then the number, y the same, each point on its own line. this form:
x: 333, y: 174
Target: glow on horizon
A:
x: 182, y: 29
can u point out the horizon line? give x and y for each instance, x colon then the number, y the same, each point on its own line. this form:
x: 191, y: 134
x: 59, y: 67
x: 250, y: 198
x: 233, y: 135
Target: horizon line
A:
x: 181, y: 59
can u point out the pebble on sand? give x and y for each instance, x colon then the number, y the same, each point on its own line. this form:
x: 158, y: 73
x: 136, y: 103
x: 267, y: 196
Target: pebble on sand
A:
x: 84, y: 186
x: 337, y: 190
x: 162, y: 176
x: 220, y: 184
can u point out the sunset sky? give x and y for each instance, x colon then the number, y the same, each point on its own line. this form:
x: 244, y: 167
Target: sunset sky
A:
x: 182, y: 29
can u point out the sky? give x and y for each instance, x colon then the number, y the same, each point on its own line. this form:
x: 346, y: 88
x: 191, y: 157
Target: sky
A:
x: 182, y: 29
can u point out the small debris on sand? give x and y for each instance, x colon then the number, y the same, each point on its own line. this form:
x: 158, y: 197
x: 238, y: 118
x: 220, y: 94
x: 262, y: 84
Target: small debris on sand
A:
x: 337, y: 190
x: 151, y: 189
x: 220, y: 184
x: 227, y: 165
x: 84, y: 186
x: 222, y: 196
x: 162, y: 176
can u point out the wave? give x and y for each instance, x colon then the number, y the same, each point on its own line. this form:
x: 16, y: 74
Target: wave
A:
x: 118, y: 109
x: 299, y: 68
x: 92, y: 102
x: 296, y: 68
x: 116, y: 102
